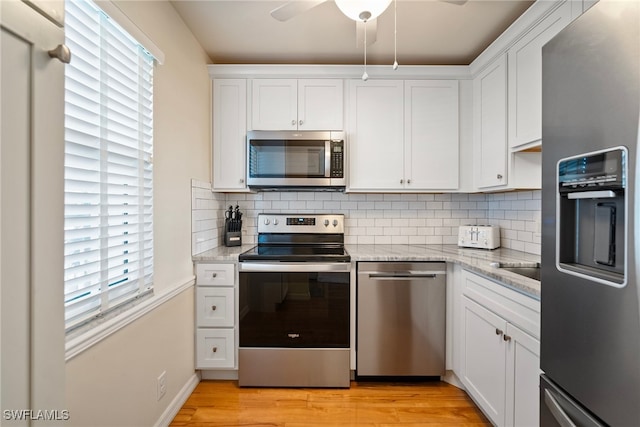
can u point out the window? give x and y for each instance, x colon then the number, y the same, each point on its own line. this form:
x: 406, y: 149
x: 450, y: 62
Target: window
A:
x: 108, y: 250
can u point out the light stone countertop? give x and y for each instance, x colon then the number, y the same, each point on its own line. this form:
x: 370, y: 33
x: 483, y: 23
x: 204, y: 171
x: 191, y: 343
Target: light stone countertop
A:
x: 477, y: 260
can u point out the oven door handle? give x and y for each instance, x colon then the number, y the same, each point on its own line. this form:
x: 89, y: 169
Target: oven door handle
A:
x: 294, y: 267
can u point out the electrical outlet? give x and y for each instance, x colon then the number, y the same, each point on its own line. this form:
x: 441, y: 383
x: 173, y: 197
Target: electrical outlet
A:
x: 162, y: 384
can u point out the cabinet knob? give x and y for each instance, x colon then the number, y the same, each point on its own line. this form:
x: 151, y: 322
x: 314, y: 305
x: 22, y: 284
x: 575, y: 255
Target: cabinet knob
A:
x: 241, y: 181
x: 214, y: 349
x: 62, y: 53
x: 213, y: 307
x: 499, y: 176
x: 300, y: 122
x: 408, y: 181
x: 402, y: 181
x: 293, y: 122
x: 499, y: 332
x: 214, y: 275
x: 506, y: 337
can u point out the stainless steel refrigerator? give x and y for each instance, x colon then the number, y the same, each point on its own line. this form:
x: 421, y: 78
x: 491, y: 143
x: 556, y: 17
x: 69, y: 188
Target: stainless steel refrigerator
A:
x: 590, y: 331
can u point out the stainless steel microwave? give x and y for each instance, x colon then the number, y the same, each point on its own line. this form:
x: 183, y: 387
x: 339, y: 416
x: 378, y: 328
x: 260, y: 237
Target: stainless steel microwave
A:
x: 296, y: 160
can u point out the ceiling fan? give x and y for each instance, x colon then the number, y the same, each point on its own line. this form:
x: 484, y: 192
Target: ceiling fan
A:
x: 363, y: 12
x: 353, y: 9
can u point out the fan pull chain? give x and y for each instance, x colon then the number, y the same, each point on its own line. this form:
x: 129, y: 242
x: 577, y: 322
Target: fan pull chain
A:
x: 365, y: 76
x: 395, y: 35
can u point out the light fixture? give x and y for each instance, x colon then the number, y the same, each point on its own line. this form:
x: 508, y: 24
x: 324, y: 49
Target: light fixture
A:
x: 363, y: 11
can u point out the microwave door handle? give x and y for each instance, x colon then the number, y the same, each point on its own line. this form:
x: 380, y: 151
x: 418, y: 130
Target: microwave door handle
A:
x: 327, y: 159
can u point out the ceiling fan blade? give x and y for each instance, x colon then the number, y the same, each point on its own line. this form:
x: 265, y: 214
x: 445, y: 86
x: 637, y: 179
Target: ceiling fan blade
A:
x: 293, y: 8
x: 456, y: 2
x: 372, y: 31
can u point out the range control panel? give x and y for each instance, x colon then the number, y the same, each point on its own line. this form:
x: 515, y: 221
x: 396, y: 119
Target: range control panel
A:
x: 302, y: 223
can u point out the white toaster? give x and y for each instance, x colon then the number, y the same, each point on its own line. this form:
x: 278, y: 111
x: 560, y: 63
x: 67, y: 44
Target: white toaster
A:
x: 479, y: 236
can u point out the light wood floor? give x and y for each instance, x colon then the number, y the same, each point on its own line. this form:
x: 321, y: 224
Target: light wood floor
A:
x: 223, y: 403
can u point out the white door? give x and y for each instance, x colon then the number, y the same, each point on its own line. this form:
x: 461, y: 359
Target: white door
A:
x: 490, y: 125
x: 523, y: 379
x: 375, y: 134
x: 229, y: 134
x: 31, y: 215
x: 320, y: 104
x: 484, y: 359
x: 274, y: 104
x: 431, y: 134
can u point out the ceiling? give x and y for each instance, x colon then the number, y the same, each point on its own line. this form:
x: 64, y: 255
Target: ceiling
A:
x: 429, y: 32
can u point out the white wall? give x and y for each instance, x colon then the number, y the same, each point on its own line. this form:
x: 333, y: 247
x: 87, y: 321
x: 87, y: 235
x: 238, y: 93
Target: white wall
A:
x: 114, y: 382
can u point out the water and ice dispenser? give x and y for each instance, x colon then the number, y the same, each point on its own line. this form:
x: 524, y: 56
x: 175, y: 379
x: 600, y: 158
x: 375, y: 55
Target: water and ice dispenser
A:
x: 592, y: 216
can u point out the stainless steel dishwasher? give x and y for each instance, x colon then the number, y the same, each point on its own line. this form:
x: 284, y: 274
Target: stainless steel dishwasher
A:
x: 401, y: 319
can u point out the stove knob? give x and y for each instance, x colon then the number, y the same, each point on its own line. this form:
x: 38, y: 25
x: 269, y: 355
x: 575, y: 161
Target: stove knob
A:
x: 326, y: 222
x: 335, y: 222
x: 266, y: 221
x: 275, y: 222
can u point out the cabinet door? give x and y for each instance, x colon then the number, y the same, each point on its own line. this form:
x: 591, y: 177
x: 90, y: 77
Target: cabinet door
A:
x: 490, y: 125
x: 215, y: 348
x: 375, y: 134
x: 320, y: 104
x: 484, y: 359
x: 431, y: 134
x: 31, y: 211
x: 229, y: 134
x: 523, y: 378
x: 215, y: 307
x: 525, y: 78
x: 274, y: 104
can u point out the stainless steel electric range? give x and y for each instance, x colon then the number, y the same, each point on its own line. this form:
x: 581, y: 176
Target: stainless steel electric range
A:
x: 294, y: 302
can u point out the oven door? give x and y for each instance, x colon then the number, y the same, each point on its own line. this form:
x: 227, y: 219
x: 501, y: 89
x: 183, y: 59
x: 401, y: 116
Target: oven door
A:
x: 294, y: 305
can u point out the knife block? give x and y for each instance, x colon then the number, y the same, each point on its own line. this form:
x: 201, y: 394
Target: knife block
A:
x: 232, y: 238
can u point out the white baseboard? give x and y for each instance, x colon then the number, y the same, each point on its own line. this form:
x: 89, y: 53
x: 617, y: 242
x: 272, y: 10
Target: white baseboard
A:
x: 451, y: 378
x: 219, y: 375
x: 172, y: 410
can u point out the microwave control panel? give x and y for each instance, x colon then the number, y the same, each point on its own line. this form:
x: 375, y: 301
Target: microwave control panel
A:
x: 337, y: 159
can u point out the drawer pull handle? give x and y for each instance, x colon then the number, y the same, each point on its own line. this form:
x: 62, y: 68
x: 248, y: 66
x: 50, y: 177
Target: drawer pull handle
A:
x: 215, y: 349
x: 213, y: 307
x: 499, y: 332
x: 506, y: 337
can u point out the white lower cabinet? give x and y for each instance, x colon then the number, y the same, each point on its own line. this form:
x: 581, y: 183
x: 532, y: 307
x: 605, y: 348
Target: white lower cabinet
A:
x: 215, y: 316
x: 500, y: 359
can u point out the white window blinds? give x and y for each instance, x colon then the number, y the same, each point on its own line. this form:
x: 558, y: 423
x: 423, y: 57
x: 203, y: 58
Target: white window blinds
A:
x: 108, y: 170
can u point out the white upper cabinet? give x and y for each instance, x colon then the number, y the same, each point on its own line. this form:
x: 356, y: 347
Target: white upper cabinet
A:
x: 403, y: 135
x: 525, y: 79
x: 431, y: 137
x: 292, y: 104
x: 375, y: 135
x: 490, y: 125
x: 229, y: 134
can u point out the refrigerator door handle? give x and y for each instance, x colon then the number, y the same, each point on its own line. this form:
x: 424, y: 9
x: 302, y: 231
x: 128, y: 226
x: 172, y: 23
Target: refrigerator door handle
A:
x: 556, y: 410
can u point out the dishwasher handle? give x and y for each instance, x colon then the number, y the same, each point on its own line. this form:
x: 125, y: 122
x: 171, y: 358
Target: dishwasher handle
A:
x: 408, y: 275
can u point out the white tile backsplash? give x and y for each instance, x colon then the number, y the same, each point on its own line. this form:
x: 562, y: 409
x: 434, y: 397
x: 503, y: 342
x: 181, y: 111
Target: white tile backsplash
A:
x: 377, y: 218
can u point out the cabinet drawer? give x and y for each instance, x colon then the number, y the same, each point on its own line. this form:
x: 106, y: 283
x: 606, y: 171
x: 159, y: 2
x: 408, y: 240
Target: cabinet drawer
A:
x: 215, y: 307
x: 214, y: 275
x: 519, y: 309
x: 215, y: 348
